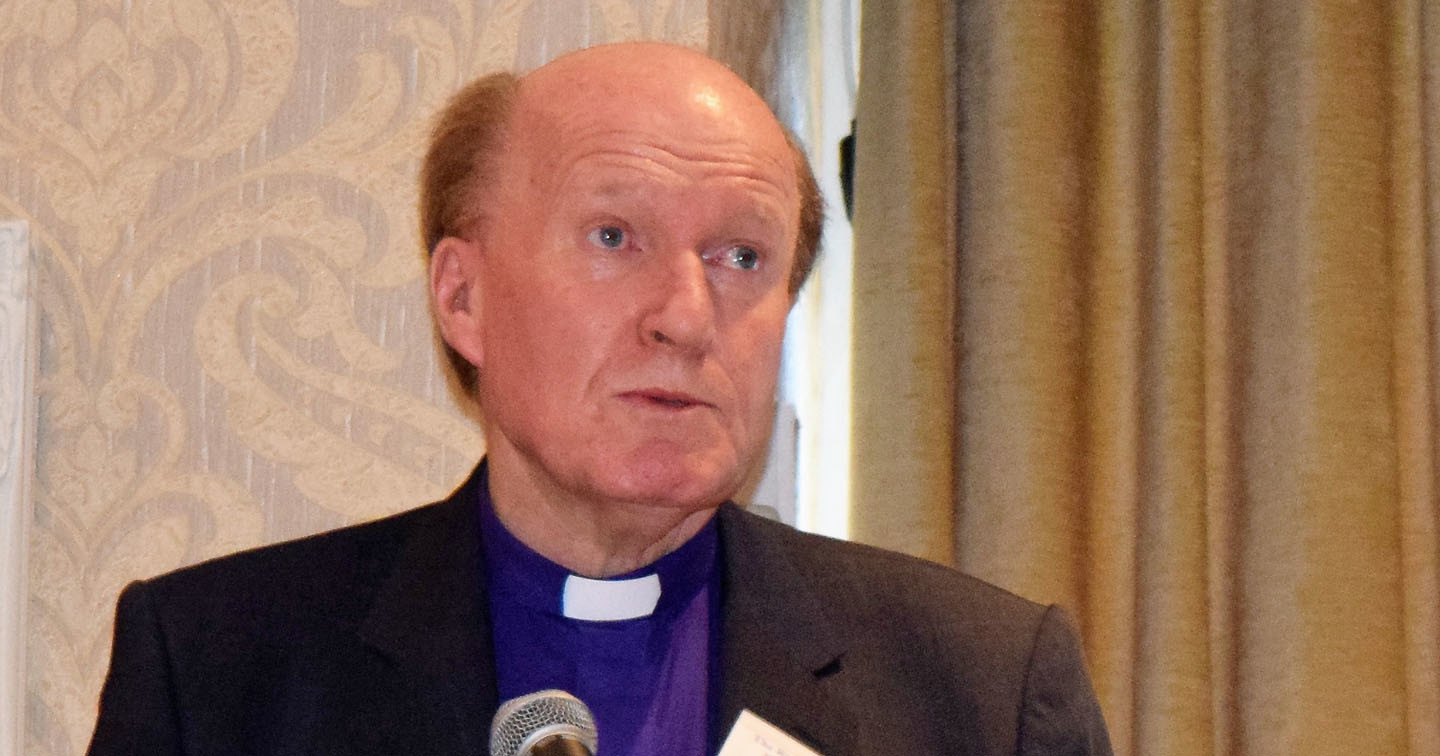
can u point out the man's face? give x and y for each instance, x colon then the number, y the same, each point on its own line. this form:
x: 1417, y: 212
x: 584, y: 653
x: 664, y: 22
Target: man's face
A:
x: 632, y: 287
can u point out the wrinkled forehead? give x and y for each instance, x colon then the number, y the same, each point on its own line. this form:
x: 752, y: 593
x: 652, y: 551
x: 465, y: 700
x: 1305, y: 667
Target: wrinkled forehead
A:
x: 669, y: 99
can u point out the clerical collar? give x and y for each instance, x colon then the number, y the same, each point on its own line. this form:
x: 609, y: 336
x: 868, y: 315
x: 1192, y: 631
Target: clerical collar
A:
x: 662, y: 588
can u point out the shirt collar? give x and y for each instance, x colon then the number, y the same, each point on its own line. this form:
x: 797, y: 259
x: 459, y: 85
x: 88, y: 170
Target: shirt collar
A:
x: 525, y: 576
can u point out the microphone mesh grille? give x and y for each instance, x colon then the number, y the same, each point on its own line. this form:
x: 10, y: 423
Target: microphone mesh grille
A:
x: 521, y: 722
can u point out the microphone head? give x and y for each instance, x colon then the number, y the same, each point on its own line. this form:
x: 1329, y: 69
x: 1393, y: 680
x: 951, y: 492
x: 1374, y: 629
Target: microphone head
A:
x: 522, y: 723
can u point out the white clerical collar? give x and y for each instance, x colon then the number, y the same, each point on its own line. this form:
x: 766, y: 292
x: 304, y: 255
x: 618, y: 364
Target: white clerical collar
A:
x: 610, y: 600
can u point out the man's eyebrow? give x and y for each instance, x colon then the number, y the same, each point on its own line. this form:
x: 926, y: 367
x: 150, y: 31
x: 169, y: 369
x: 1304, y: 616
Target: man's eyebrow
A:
x: 612, y: 188
x: 766, y: 212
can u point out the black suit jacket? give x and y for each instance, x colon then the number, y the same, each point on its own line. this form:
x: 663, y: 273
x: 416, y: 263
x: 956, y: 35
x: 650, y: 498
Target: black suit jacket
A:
x: 374, y: 639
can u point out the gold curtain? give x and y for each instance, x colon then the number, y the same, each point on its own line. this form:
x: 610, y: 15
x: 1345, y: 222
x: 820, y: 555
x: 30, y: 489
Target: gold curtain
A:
x: 1162, y: 347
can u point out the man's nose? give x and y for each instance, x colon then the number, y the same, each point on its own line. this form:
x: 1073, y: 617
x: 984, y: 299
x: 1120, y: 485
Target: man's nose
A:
x: 681, y: 308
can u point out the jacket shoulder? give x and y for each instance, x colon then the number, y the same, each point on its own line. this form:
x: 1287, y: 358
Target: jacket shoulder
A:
x: 928, y: 656
x: 331, y: 575
x: 860, y: 577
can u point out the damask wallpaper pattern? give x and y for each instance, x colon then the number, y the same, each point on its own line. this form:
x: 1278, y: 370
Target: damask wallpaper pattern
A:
x: 234, y: 342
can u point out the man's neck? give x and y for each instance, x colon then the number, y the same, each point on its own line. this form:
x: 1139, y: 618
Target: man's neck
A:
x: 589, y: 537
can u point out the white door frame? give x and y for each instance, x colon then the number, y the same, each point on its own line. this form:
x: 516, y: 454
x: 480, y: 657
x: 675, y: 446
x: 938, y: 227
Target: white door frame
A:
x: 17, y: 463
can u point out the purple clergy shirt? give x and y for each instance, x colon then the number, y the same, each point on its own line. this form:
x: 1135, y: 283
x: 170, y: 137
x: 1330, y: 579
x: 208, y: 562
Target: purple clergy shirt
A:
x: 647, y: 680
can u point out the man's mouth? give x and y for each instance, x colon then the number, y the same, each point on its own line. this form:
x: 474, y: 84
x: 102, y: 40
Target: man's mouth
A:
x: 663, y: 398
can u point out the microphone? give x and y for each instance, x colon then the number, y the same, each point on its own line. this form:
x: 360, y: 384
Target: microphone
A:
x: 543, y: 723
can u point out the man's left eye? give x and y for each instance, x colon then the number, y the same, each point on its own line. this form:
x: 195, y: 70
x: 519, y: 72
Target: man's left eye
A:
x: 741, y: 257
x: 609, y: 237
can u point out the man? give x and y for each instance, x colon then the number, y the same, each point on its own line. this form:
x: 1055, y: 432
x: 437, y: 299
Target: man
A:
x: 616, y: 240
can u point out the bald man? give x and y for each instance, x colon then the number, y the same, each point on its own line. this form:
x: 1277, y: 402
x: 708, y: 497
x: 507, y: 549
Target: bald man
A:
x: 615, y: 241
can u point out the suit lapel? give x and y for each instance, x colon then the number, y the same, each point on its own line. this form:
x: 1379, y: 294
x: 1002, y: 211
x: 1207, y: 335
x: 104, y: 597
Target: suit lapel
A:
x: 430, y: 618
x: 780, y: 657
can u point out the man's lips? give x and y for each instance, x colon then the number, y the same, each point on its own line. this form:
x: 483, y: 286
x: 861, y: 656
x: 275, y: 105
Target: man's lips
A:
x: 664, y: 398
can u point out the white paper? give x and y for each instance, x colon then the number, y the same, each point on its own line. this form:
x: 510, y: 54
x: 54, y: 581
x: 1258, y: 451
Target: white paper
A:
x: 753, y: 736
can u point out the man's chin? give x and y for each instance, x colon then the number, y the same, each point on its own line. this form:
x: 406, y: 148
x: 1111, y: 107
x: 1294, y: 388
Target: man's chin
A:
x: 676, y: 484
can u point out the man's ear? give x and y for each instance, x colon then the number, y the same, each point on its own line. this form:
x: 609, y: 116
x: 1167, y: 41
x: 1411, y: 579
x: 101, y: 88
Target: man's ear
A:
x: 455, y: 295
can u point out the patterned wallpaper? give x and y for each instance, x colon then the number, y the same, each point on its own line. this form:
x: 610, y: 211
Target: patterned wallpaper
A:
x: 234, y: 342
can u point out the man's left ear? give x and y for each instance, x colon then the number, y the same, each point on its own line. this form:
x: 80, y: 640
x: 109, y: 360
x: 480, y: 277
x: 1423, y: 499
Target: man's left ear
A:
x: 455, y: 295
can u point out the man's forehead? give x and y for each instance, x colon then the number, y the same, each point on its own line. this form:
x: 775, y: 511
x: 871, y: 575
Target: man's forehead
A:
x: 652, y: 101
x: 628, y: 63
x: 634, y: 80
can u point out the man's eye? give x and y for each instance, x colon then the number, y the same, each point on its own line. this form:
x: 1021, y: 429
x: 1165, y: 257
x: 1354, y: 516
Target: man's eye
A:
x: 609, y: 237
x: 741, y: 257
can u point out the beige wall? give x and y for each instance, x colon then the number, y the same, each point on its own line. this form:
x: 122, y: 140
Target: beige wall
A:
x: 234, y: 344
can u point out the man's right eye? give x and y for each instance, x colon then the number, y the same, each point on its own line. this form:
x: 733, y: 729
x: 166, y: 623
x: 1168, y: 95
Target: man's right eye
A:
x: 609, y: 237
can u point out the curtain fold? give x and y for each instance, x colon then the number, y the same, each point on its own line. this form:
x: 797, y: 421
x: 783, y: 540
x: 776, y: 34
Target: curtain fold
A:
x: 903, y: 319
x: 1190, y: 376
